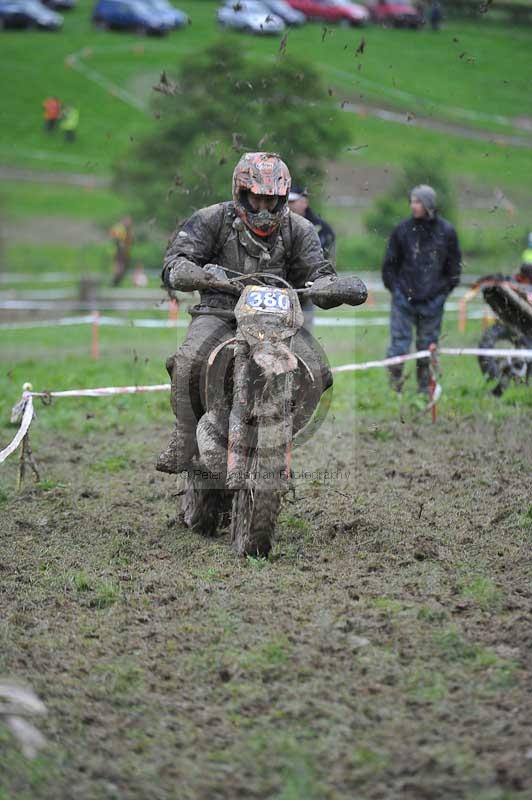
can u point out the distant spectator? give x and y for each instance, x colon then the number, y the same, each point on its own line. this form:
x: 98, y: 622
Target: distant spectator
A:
x: 140, y: 279
x: 52, y: 112
x: 122, y: 235
x: 69, y: 123
x: 435, y: 15
x: 526, y: 258
x: 298, y: 203
x: 421, y: 267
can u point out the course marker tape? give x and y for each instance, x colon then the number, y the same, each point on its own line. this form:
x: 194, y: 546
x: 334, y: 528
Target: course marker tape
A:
x: 320, y: 322
x: 27, y: 417
x: 108, y: 391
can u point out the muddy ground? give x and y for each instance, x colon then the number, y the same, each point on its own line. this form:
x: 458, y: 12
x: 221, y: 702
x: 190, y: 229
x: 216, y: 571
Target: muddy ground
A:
x: 384, y: 651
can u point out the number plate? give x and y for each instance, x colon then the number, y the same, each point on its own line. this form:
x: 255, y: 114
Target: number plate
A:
x: 267, y: 299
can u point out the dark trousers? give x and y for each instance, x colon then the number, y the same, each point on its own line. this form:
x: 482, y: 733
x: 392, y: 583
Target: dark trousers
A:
x: 425, y: 316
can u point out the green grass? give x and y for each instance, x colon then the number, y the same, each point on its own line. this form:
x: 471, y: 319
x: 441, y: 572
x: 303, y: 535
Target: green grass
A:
x: 77, y: 202
x: 498, y: 79
x: 388, y: 73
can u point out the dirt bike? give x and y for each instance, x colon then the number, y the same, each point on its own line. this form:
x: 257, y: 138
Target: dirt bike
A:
x: 512, y: 303
x: 242, y: 468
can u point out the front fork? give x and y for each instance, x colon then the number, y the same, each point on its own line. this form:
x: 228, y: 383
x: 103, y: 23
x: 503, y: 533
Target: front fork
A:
x: 238, y: 440
x: 239, y: 417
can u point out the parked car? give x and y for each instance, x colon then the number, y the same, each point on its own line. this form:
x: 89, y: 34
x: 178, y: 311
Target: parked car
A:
x: 177, y: 18
x: 399, y: 14
x: 288, y: 14
x: 130, y: 15
x: 28, y: 14
x: 340, y: 11
x: 250, y: 16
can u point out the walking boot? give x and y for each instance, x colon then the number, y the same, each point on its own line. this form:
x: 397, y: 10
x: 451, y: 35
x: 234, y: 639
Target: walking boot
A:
x: 177, y: 455
x: 423, y: 376
x: 396, y: 377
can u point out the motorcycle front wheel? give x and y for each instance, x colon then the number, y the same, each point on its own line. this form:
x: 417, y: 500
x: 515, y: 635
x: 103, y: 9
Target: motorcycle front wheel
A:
x: 256, y: 505
x: 501, y: 369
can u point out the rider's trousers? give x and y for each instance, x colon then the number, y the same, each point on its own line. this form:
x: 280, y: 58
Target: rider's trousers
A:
x: 188, y: 369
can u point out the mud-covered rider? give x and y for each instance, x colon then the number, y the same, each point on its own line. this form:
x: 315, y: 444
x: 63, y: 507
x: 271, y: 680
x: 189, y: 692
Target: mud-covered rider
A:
x: 255, y: 232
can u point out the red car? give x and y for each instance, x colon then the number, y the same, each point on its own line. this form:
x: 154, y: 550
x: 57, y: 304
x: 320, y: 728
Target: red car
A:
x: 341, y: 11
x: 399, y: 14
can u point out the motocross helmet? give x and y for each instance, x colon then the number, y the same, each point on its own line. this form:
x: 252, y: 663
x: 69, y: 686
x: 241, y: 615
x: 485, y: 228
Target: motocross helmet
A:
x: 261, y: 174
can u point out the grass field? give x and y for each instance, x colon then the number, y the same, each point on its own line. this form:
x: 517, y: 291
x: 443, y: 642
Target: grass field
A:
x: 475, y: 91
x: 383, y: 651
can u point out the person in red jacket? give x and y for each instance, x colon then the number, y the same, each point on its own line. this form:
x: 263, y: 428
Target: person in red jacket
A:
x: 52, y: 112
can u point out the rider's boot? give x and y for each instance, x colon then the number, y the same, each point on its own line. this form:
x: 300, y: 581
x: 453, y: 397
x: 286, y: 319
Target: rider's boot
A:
x: 396, y: 377
x: 177, y: 455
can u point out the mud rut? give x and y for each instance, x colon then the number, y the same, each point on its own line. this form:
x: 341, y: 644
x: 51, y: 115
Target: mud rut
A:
x: 385, y: 650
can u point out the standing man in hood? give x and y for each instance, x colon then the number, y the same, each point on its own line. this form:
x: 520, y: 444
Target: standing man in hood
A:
x: 421, y: 267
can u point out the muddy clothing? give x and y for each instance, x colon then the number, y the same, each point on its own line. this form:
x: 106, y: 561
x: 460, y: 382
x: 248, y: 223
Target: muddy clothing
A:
x: 422, y: 259
x: 187, y: 370
x: 216, y: 235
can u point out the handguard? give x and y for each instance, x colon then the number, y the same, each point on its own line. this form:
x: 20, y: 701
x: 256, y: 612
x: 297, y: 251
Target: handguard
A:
x: 185, y: 276
x: 329, y: 291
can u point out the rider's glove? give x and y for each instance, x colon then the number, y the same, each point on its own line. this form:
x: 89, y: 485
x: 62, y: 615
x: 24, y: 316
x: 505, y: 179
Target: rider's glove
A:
x: 186, y: 276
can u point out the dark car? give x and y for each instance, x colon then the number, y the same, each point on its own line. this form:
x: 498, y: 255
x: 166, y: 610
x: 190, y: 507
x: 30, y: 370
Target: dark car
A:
x: 340, y: 11
x: 28, y: 14
x: 64, y: 5
x: 399, y: 14
x: 283, y: 10
x: 131, y: 15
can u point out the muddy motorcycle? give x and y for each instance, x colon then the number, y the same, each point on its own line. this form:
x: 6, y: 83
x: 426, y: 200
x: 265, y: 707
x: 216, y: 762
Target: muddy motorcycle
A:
x: 512, y: 304
x: 252, y: 406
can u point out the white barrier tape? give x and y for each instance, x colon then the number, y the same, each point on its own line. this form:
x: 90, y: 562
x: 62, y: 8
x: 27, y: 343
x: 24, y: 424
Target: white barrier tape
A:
x: 109, y: 391
x: 524, y: 355
x: 387, y: 362
x: 22, y: 431
x: 325, y: 322
x: 106, y: 391
x: 490, y: 352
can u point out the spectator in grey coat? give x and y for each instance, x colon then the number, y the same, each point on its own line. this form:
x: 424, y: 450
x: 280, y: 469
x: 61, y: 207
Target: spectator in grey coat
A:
x: 421, y: 267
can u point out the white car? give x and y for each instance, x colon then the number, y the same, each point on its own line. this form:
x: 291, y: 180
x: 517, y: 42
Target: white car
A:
x: 250, y: 16
x: 289, y: 15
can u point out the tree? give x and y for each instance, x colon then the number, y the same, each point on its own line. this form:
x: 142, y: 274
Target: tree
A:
x: 220, y: 107
x: 391, y: 208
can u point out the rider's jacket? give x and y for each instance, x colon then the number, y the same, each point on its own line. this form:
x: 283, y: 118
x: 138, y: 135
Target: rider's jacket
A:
x: 217, y: 235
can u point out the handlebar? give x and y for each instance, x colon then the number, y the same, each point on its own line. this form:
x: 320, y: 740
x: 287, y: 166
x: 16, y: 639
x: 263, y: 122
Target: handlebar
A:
x: 339, y: 290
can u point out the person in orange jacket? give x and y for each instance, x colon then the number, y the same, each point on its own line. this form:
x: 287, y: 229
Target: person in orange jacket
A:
x: 52, y: 112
